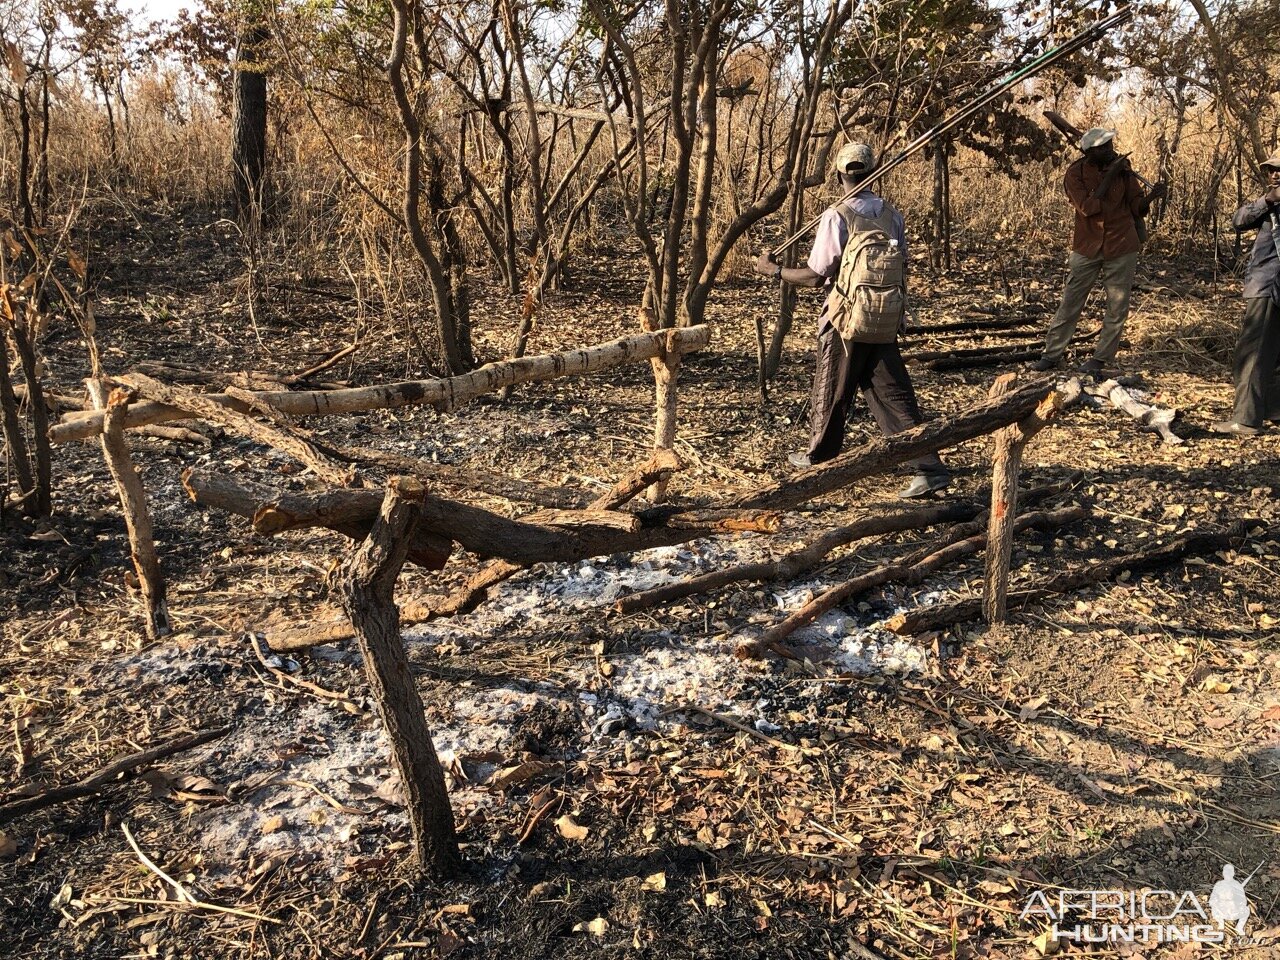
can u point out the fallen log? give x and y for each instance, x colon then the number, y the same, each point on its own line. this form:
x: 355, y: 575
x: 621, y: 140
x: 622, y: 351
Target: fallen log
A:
x: 883, y: 454
x: 796, y: 562
x: 990, y: 360
x: 476, y: 590
x: 962, y: 541
x: 925, y: 356
x: 367, y: 587
x: 1148, y: 416
x: 941, y: 616
x: 244, y: 498
x: 107, y: 776
x: 984, y: 323
x: 444, y: 393
x: 280, y: 436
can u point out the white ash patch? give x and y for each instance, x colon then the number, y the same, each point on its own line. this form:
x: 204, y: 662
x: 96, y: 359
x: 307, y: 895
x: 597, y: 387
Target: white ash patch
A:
x: 702, y: 674
x: 542, y: 597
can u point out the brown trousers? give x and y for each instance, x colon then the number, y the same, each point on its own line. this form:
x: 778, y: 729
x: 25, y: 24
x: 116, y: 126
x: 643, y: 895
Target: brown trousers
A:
x: 877, y: 370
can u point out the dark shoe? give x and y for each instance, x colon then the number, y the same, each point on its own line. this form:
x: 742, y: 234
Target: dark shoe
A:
x: 1234, y: 429
x: 1092, y: 367
x: 800, y: 460
x: 923, y: 484
x: 1043, y: 364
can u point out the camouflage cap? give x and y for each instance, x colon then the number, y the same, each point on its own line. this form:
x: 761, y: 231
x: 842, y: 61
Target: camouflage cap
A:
x: 855, y: 156
x: 1096, y: 137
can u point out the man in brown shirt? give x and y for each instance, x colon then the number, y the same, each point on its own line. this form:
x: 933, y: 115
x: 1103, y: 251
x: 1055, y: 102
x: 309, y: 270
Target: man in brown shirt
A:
x: 1106, y: 197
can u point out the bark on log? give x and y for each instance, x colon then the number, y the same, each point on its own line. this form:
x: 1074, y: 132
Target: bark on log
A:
x: 983, y: 323
x: 885, y: 453
x: 137, y: 518
x: 198, y: 377
x: 962, y: 541
x: 442, y: 393
x: 941, y: 616
x: 281, y: 437
x: 245, y: 498
x: 107, y: 776
x: 367, y: 587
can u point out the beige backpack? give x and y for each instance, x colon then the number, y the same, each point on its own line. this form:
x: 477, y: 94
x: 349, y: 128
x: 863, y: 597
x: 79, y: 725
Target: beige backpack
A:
x: 870, y: 294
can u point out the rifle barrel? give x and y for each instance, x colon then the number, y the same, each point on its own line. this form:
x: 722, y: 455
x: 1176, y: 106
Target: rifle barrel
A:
x: 1037, y: 64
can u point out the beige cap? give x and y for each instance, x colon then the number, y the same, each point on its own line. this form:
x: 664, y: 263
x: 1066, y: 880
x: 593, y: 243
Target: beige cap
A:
x: 1271, y: 163
x: 855, y: 155
x: 1096, y: 137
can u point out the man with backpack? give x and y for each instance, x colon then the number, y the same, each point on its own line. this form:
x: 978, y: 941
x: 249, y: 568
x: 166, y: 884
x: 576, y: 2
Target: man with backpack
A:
x: 1258, y: 347
x: 859, y: 257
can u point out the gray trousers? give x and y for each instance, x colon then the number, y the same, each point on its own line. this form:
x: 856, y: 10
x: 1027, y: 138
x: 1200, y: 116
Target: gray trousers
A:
x: 1117, y: 278
x: 877, y: 371
x: 1254, y: 367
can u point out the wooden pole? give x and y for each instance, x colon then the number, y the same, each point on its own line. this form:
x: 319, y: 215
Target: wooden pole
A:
x: 133, y: 504
x: 367, y: 587
x: 445, y: 393
x: 666, y: 376
x: 1005, y: 465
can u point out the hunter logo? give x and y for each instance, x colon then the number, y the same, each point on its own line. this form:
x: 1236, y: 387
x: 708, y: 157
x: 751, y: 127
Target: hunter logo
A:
x: 1151, y: 916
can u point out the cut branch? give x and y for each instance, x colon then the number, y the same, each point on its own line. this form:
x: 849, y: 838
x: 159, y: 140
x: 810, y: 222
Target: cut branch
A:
x: 942, y: 616
x: 107, y: 776
x: 280, y: 436
x: 962, y: 541
x: 885, y: 453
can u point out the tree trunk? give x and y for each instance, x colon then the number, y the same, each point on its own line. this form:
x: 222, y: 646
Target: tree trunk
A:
x: 42, y: 505
x: 249, y: 121
x: 367, y: 587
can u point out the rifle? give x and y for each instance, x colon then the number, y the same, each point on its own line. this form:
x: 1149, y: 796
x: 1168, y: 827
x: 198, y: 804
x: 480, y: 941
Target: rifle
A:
x: 974, y: 107
x: 1073, y: 135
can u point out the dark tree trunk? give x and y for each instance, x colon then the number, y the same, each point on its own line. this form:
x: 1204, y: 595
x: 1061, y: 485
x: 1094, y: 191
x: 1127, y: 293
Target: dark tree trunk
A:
x: 249, y: 120
x: 367, y: 587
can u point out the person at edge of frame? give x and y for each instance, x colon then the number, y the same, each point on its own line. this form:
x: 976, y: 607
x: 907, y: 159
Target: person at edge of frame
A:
x: 1257, y: 395
x: 1107, y: 199
x: 876, y: 369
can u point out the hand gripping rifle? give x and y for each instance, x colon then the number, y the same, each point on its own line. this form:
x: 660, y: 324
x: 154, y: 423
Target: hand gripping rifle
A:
x: 976, y: 106
x: 1073, y: 135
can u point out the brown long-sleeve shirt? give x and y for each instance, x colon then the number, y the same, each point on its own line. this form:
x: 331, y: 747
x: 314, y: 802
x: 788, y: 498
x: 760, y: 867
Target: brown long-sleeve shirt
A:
x: 1104, y: 227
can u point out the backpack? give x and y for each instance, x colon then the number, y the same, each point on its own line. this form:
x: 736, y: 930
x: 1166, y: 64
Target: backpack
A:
x: 870, y: 294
